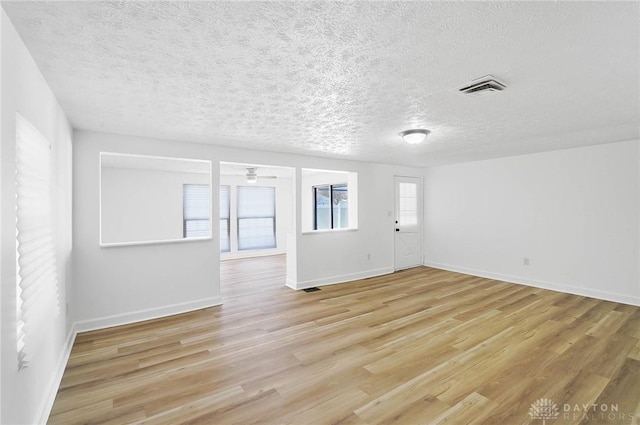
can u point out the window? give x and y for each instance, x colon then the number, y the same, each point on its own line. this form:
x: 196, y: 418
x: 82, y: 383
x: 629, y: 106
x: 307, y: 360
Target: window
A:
x: 407, y: 204
x: 331, y: 207
x: 225, y: 212
x: 37, y: 279
x: 196, y: 203
x: 256, y: 217
x: 328, y: 200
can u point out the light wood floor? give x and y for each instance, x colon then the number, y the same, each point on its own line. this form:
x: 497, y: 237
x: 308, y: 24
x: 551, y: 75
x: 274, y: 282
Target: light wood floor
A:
x: 418, y: 347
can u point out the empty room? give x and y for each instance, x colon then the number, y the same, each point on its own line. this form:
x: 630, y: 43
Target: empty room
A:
x: 428, y: 212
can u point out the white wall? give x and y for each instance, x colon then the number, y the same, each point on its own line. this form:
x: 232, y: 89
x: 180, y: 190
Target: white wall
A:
x: 122, y: 284
x: 575, y: 214
x: 284, y: 214
x: 27, y: 395
x: 338, y: 256
x: 144, y: 205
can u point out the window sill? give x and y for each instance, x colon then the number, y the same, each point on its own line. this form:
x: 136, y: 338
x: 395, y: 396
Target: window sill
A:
x: 315, y: 232
x: 156, y: 242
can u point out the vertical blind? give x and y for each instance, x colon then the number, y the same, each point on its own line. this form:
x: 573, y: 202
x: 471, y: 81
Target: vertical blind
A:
x: 256, y: 217
x: 225, y: 212
x: 196, y: 211
x: 37, y: 280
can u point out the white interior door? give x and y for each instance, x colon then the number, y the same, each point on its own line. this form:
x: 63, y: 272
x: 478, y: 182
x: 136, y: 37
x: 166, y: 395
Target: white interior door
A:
x: 408, y: 225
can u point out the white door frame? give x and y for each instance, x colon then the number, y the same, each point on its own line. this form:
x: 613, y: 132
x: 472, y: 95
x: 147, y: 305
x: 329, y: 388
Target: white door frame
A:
x: 407, y: 242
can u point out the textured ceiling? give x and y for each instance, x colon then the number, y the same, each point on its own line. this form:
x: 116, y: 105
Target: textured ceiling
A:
x: 341, y: 79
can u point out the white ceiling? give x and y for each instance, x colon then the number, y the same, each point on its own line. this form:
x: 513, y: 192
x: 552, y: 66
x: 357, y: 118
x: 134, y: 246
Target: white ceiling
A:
x: 341, y: 79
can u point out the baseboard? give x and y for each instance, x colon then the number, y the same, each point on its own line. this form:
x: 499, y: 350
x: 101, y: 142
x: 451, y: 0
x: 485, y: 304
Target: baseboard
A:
x: 236, y: 255
x: 575, y: 290
x: 332, y: 280
x: 54, y: 384
x: 290, y: 283
x: 142, y: 315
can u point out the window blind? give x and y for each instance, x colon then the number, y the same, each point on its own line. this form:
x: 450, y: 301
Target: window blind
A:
x: 37, y: 299
x: 196, y: 211
x: 225, y: 245
x: 256, y: 217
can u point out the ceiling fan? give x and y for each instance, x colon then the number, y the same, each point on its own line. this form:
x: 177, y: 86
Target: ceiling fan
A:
x: 252, y: 175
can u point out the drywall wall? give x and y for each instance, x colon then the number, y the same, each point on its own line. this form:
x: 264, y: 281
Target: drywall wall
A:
x: 574, y: 214
x: 338, y: 256
x: 2, y: 20
x: 144, y: 205
x: 123, y: 284
x: 27, y: 395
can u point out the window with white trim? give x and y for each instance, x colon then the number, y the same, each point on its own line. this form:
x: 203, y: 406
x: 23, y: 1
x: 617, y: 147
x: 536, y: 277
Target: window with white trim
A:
x: 225, y: 214
x: 37, y: 296
x: 328, y: 200
x: 256, y: 217
x: 330, y: 207
x: 196, y: 204
x: 408, y: 204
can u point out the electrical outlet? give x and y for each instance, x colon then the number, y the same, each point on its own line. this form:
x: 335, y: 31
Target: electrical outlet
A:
x: 525, y: 261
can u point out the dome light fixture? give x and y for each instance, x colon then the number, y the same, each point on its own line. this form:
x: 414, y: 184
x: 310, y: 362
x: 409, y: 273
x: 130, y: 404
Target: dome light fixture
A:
x: 415, y: 136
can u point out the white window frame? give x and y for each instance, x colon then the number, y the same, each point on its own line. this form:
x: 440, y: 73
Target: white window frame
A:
x: 332, y: 220
x: 263, y: 215
x: 311, y: 178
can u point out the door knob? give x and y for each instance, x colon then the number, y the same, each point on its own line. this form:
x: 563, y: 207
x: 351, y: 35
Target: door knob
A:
x: 397, y: 230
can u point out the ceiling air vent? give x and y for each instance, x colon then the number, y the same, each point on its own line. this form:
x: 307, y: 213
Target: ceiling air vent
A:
x: 488, y: 83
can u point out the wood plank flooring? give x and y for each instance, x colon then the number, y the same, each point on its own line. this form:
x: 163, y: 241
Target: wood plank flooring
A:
x: 418, y: 347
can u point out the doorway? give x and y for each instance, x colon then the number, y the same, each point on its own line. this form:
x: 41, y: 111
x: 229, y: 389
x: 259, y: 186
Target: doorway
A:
x: 256, y: 218
x: 408, y: 222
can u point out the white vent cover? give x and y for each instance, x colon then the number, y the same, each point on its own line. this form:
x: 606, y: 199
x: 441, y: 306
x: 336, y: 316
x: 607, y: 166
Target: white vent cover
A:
x: 488, y: 83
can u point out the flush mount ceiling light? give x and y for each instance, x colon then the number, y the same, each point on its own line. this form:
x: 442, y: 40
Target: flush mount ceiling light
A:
x: 415, y: 136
